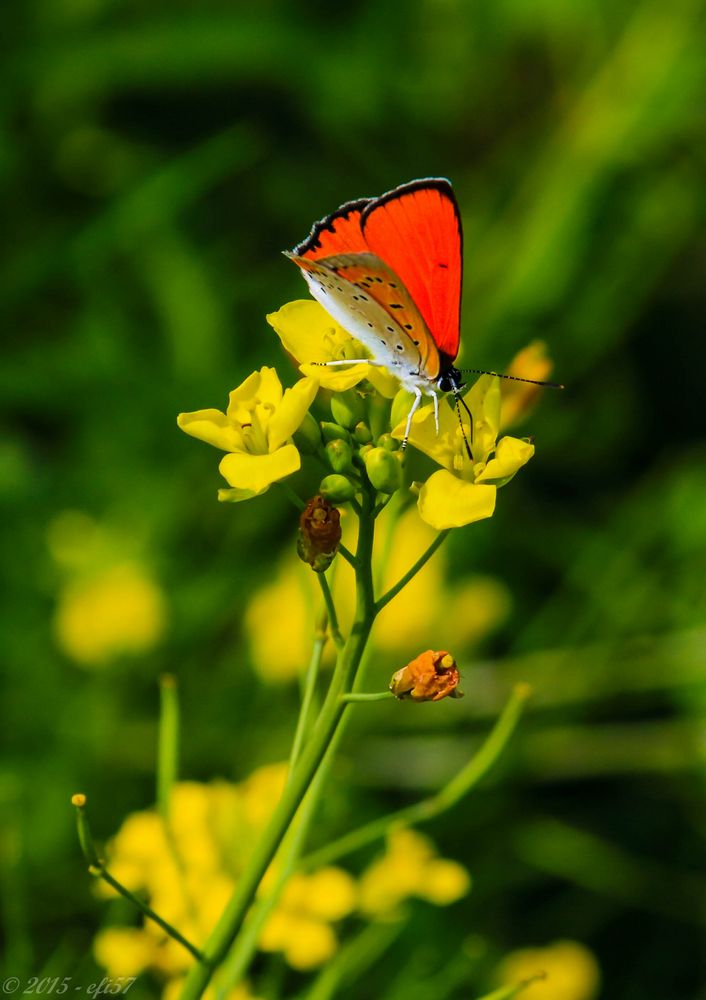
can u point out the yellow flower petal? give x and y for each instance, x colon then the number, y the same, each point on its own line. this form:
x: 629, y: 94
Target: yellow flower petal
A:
x: 263, y: 386
x: 442, y: 447
x: 518, y: 398
x: 235, y: 495
x: 383, y: 380
x: 337, y: 379
x: 510, y: 455
x: 309, y: 334
x: 123, y: 951
x: 330, y: 894
x: 310, y: 943
x: 448, y: 502
x: 484, y: 403
x: 257, y: 472
x: 445, y: 882
x: 291, y: 411
x: 213, y: 427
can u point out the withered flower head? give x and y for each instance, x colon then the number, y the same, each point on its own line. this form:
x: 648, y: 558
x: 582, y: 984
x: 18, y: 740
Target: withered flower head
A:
x: 431, y: 676
x: 319, y: 534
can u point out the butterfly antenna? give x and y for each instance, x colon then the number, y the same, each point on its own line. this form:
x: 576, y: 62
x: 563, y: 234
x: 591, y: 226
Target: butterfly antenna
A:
x: 460, y: 401
x: 512, y: 378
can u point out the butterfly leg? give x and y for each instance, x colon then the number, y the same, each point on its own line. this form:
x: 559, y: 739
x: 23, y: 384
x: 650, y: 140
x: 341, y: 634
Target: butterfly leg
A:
x: 413, y: 410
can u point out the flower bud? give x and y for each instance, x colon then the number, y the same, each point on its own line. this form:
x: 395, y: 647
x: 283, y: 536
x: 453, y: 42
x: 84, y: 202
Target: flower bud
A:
x: 333, y: 432
x: 384, y: 470
x: 401, y: 405
x: 347, y: 408
x: 362, y: 434
x: 319, y: 534
x: 339, y: 455
x: 308, y: 437
x: 337, y: 489
x: 387, y: 442
x: 430, y: 677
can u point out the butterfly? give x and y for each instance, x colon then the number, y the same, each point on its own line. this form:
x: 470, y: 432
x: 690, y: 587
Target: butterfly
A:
x: 389, y: 270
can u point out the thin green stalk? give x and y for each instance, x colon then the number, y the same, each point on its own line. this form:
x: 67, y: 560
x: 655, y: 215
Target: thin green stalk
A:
x: 411, y: 573
x: 168, y: 743
x: 478, y: 766
x: 331, y: 611
x: 347, y: 555
x: 241, y: 954
x: 363, y: 696
x: 295, y: 500
x: 97, y: 868
x: 304, y: 719
x: 353, y: 959
x: 225, y: 932
x: 508, y: 992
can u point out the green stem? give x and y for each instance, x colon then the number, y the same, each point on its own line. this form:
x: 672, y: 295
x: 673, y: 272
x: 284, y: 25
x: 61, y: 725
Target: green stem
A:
x: 97, y: 868
x: 508, y: 992
x: 295, y: 500
x: 312, y: 674
x: 479, y: 764
x: 331, y: 611
x: 168, y: 742
x: 353, y: 959
x: 411, y: 573
x: 236, y: 965
x: 347, y: 555
x: 372, y: 696
x: 227, y: 928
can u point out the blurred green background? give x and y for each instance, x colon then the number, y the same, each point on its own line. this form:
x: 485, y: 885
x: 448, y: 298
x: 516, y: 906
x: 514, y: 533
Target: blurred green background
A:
x: 155, y: 159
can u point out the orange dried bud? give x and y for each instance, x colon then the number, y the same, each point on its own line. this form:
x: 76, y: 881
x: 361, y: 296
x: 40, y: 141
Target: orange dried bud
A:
x: 319, y: 534
x: 431, y: 676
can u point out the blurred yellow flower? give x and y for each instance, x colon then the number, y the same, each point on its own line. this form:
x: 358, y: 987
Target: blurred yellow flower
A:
x: 172, y: 991
x: 282, y: 654
x: 410, y: 867
x: 255, y: 430
x: 189, y: 872
x: 114, y: 612
x: 519, y: 398
x: 300, y: 926
x: 464, y: 491
x: 570, y: 971
x: 469, y: 607
x: 310, y: 335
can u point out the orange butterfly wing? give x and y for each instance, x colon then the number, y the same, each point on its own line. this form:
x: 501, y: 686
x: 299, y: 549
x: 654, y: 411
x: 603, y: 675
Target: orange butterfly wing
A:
x: 337, y: 233
x: 416, y: 229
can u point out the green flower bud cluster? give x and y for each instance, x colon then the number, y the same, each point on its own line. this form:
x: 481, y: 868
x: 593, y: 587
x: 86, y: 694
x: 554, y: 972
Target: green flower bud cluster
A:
x: 357, y: 447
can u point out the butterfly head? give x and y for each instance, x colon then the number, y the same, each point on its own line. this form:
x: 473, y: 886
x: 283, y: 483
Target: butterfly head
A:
x: 450, y: 380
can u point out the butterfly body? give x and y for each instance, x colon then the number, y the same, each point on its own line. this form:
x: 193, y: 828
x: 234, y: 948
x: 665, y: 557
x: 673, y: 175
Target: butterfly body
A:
x: 388, y: 270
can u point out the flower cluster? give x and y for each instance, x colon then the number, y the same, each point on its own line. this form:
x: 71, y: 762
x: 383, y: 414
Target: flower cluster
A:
x: 265, y: 430
x: 189, y: 868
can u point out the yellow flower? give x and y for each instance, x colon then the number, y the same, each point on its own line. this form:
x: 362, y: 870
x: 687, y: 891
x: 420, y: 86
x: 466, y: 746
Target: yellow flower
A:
x: 464, y: 490
x: 123, y: 951
x: 255, y: 430
x: 518, y: 398
x: 410, y: 867
x: 299, y: 926
x: 189, y: 873
x: 115, y: 612
x: 310, y: 335
x: 173, y: 989
x: 470, y: 606
x: 570, y: 971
